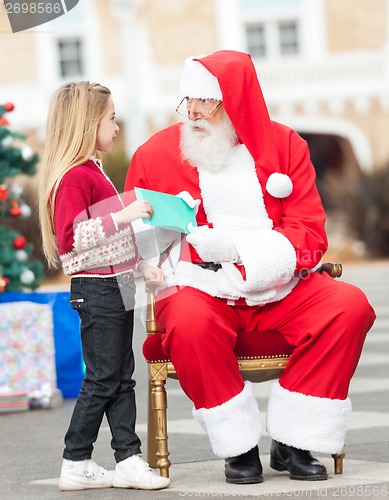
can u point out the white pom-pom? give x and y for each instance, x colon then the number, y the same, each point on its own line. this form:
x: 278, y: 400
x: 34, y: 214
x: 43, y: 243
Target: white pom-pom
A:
x: 279, y: 185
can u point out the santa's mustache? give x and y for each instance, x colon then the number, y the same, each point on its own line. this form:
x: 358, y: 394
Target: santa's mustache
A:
x: 202, y: 123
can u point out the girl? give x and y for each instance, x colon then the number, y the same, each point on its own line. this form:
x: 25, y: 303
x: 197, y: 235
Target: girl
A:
x: 87, y: 229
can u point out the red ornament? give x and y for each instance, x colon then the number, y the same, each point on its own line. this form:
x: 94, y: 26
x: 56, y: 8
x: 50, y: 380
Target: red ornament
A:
x: 15, y: 212
x: 8, y: 106
x: 3, y: 193
x: 3, y: 283
x: 19, y: 242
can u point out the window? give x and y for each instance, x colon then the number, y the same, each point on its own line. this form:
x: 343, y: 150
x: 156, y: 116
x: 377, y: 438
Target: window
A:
x: 70, y: 57
x: 273, y: 38
x: 288, y: 36
x: 256, y: 42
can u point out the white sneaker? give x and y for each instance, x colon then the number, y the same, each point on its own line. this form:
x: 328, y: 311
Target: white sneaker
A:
x: 83, y: 475
x: 134, y: 472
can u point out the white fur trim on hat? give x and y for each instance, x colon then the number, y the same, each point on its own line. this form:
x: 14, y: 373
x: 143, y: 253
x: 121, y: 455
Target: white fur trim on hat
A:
x: 279, y: 185
x: 198, y: 83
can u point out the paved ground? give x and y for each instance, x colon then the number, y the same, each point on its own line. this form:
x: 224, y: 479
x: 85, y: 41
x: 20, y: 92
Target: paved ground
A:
x: 31, y: 443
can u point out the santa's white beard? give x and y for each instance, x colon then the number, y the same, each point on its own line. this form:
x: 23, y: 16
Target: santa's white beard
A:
x: 207, y: 150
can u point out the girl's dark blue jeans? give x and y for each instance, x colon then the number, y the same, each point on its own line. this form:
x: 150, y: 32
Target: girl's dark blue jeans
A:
x: 106, y: 310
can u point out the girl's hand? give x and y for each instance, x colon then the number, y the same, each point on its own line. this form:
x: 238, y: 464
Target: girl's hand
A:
x: 153, y: 275
x: 136, y: 210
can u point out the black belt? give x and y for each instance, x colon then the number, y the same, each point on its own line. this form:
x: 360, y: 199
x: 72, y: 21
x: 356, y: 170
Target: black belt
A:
x: 120, y: 279
x: 212, y: 266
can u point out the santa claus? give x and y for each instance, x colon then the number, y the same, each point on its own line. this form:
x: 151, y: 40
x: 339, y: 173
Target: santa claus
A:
x: 248, y: 266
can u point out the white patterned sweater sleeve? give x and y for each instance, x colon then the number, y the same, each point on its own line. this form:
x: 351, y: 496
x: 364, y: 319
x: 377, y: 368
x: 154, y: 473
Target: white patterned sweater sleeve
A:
x: 98, y: 244
x: 92, y: 233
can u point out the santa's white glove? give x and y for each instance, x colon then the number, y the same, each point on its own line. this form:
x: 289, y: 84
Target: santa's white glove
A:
x: 212, y: 245
x: 189, y: 200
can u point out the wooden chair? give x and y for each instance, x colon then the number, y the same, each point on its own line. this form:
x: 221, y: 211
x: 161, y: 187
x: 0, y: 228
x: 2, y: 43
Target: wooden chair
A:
x: 258, y: 361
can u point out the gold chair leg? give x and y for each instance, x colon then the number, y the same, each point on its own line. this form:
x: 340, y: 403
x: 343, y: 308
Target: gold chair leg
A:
x: 151, y: 430
x: 159, y: 406
x: 338, y: 462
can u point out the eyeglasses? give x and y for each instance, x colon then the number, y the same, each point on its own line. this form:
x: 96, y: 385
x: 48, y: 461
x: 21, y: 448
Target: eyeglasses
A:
x: 204, y: 106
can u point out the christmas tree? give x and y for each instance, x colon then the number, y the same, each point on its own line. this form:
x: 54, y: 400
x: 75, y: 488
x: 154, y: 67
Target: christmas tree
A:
x: 17, y: 270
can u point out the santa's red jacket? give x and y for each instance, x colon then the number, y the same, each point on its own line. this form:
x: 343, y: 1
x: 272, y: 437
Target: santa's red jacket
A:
x: 265, y: 196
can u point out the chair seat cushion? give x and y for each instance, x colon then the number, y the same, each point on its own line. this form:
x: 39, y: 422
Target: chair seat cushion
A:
x: 248, y: 345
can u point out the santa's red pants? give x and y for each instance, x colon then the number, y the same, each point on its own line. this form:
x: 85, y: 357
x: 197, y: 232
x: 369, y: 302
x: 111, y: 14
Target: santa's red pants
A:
x: 326, y: 320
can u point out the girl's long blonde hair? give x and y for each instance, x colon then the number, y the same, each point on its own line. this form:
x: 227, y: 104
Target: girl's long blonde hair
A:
x: 74, y: 115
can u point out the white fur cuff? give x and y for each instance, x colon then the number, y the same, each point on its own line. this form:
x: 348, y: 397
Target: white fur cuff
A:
x: 307, y: 422
x: 235, y: 426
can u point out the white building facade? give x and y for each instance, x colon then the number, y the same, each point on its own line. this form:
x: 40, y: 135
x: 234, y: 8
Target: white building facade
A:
x: 323, y: 65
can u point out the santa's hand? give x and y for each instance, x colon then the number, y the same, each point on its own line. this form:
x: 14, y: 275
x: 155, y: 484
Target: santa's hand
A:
x: 212, y: 245
x: 189, y: 200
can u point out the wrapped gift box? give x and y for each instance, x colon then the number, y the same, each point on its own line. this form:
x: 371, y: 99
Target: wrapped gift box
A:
x: 27, y: 357
x: 14, y: 402
x: 68, y: 356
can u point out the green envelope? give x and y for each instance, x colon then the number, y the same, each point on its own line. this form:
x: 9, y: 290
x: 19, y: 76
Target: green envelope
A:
x: 170, y: 212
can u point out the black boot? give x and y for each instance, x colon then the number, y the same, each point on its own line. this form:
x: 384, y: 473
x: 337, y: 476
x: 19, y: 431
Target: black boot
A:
x: 299, y: 463
x: 245, y: 468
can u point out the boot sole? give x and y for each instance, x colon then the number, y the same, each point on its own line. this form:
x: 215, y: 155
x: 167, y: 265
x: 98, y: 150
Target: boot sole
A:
x: 279, y: 466
x: 245, y: 480
x: 309, y: 478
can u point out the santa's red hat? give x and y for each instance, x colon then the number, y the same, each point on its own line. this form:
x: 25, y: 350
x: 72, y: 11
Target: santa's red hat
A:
x: 230, y: 76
